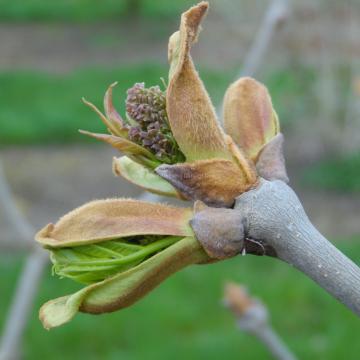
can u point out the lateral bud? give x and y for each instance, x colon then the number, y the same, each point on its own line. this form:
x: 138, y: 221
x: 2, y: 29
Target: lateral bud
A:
x: 220, y: 232
x: 271, y: 162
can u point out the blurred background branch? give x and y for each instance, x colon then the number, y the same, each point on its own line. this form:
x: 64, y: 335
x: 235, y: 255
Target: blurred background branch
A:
x: 22, y: 229
x: 274, y: 16
x: 29, y: 280
x: 252, y: 317
x: 22, y: 305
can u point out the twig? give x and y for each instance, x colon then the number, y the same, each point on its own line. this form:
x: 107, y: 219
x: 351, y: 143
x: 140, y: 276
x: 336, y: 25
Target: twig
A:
x: 275, y: 14
x: 12, y: 213
x: 274, y: 216
x: 29, y: 279
x: 252, y: 317
x: 270, y: 220
x: 351, y: 124
x: 22, y: 304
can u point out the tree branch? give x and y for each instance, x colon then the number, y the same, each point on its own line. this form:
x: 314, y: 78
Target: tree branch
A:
x: 274, y: 217
x: 22, y: 303
x: 275, y: 14
x: 252, y: 317
x: 29, y: 279
x: 270, y: 220
x: 12, y: 213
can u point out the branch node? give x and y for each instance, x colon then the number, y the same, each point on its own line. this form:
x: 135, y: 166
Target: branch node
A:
x: 220, y: 232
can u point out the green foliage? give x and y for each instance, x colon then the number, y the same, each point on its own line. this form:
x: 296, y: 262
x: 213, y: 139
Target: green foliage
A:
x: 185, y: 313
x: 43, y: 108
x: 164, y: 8
x: 92, y: 263
x: 87, y: 10
x: 335, y: 174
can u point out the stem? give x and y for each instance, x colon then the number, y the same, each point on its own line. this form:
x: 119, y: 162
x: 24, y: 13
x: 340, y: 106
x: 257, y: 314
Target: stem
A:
x: 13, y: 216
x: 22, y: 304
x: 275, y: 217
x: 275, y: 14
x: 253, y: 318
x: 29, y: 280
x: 273, y: 342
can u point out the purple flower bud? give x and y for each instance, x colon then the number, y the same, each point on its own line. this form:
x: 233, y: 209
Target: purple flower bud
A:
x: 147, y: 106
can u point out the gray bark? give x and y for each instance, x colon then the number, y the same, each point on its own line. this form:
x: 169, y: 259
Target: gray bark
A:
x: 29, y: 281
x: 274, y: 217
x: 22, y: 304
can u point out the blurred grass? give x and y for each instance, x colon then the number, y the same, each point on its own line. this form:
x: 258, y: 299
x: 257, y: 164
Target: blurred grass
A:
x: 184, y: 317
x: 38, y: 108
x: 42, y: 108
x: 335, y: 174
x: 86, y: 10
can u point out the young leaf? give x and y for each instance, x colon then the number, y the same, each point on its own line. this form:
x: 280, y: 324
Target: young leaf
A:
x: 217, y: 182
x: 125, y: 146
x: 96, y: 262
x: 103, y: 220
x: 191, y: 114
x: 117, y: 123
x: 143, y: 177
x: 249, y: 117
x: 113, y: 127
x: 125, y: 288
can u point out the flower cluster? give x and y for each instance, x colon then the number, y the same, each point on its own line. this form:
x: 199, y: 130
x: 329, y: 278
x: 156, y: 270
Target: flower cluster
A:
x: 146, y: 108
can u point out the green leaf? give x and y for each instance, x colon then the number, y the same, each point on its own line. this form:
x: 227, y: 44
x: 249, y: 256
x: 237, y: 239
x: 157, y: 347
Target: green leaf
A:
x: 124, y: 288
x: 93, y: 263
